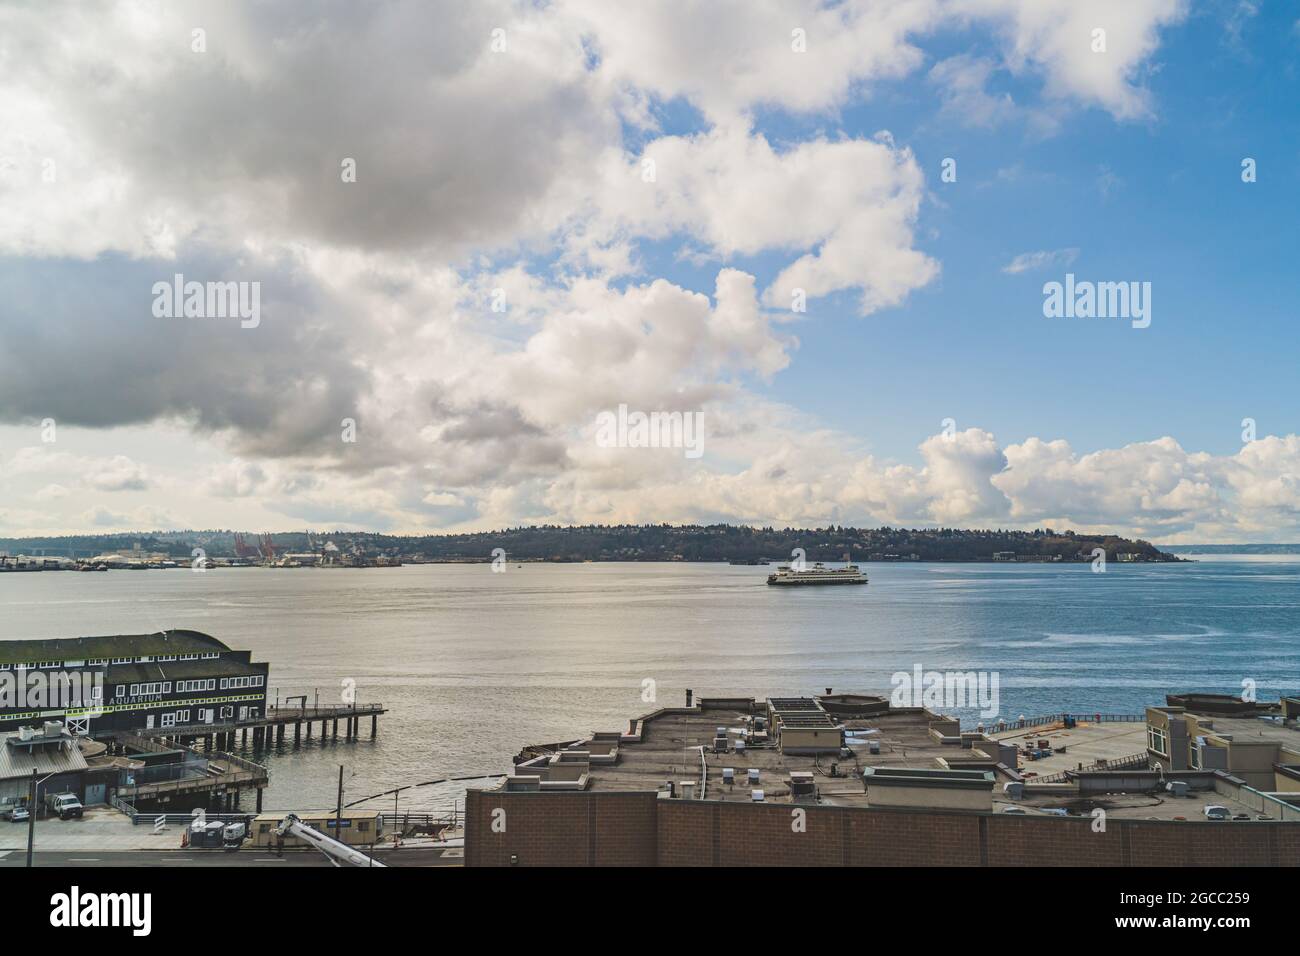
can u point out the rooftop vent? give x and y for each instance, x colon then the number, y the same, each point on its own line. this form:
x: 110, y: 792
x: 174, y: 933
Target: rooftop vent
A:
x: 1177, y: 787
x: 756, y: 796
x: 1216, y: 812
x: 728, y: 775
x: 688, y: 789
x: 753, y: 775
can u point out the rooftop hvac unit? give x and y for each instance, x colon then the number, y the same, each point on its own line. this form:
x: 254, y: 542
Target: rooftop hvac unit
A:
x: 728, y: 775
x: 1216, y: 812
x: 53, y: 728
x: 719, y: 745
x: 1177, y: 787
x: 756, y: 796
x: 688, y: 789
x: 801, y: 784
x: 720, y: 732
x: 753, y: 775
x: 26, y: 733
x: 740, y: 746
x: 1014, y: 790
x: 873, y: 746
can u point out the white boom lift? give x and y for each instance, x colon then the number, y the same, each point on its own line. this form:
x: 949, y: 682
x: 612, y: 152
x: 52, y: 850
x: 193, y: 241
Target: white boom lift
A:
x: 332, y: 848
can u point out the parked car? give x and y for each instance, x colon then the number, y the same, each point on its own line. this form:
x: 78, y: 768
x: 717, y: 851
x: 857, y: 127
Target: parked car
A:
x: 64, y: 804
x: 17, y: 814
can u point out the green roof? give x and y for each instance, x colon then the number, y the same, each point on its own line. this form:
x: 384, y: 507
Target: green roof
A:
x: 108, y: 646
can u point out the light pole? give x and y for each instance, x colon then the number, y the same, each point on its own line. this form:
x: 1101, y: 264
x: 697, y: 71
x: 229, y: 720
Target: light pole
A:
x: 31, y: 813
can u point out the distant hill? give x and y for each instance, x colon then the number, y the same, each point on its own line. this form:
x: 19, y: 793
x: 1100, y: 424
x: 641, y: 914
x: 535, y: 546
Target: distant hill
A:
x: 1233, y: 548
x: 641, y: 543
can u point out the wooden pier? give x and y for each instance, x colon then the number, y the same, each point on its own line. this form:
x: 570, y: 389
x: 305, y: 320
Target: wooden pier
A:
x: 269, y: 730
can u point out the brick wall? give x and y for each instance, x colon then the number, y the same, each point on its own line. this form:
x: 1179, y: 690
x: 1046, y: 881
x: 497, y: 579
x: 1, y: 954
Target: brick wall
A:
x: 637, y: 829
x: 560, y: 829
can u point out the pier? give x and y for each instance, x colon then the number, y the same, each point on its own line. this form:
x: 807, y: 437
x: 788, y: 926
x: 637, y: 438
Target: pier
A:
x: 270, y: 730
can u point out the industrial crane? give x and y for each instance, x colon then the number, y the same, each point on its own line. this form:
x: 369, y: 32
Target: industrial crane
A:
x: 332, y: 848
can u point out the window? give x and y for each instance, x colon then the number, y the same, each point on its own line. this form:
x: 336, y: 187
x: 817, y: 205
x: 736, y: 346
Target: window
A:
x: 167, y: 687
x: 135, y: 690
x: 165, y: 657
x: 96, y: 692
x: 123, y: 660
x: 183, y: 716
x: 211, y: 656
x: 168, y: 720
x: 1158, y: 740
x: 188, y: 657
x: 121, y: 691
x: 227, y: 711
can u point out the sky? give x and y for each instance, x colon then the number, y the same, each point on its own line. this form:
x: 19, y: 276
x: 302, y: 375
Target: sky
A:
x: 825, y: 232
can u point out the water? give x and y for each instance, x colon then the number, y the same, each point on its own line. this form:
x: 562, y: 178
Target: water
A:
x: 474, y: 664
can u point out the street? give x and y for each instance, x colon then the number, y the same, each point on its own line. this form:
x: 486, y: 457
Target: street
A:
x: 420, y: 856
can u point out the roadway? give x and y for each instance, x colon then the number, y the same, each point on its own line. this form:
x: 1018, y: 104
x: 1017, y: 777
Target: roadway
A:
x: 414, y: 856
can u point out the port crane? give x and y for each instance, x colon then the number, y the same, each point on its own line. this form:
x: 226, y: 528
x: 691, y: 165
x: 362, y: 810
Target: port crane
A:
x: 332, y: 848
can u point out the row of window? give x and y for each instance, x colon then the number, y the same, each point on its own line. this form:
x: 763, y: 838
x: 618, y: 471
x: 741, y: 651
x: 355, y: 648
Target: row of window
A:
x: 100, y: 661
x: 188, y: 686
x: 206, y: 715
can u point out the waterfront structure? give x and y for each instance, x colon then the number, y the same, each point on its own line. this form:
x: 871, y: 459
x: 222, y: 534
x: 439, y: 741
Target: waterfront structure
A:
x: 134, y: 774
x: 737, y: 781
x: 135, y: 682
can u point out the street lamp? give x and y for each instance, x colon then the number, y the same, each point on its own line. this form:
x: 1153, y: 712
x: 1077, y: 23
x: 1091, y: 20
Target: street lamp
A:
x: 31, y: 812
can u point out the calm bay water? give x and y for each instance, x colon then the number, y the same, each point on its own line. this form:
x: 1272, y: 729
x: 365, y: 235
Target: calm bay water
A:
x: 473, y: 664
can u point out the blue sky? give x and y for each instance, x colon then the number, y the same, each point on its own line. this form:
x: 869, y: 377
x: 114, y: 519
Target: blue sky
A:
x: 974, y: 345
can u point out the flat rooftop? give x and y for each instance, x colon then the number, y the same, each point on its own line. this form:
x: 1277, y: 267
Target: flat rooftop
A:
x: 1129, y: 806
x: 1253, y: 728
x: 1085, y: 743
x: 670, y: 742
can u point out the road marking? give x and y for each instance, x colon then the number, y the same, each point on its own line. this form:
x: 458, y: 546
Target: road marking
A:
x: 83, y: 859
x: 274, y: 859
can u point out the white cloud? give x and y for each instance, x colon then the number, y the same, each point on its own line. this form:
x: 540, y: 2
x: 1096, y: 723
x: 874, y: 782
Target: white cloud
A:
x: 962, y: 82
x: 1029, y: 261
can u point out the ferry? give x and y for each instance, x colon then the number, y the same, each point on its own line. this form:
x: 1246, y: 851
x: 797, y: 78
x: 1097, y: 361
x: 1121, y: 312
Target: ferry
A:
x: 817, y: 574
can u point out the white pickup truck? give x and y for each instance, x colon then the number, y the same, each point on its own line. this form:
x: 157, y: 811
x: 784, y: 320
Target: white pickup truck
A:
x: 64, y: 804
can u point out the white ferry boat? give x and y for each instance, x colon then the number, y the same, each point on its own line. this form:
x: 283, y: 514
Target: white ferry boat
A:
x: 817, y: 574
